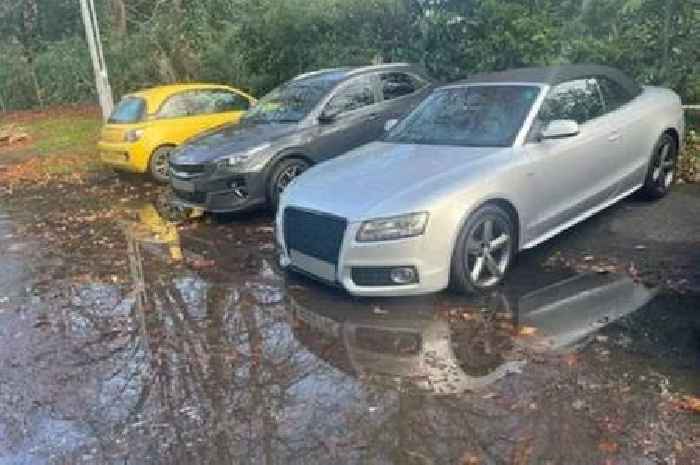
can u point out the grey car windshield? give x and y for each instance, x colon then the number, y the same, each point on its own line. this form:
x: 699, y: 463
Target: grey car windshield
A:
x: 290, y: 102
x: 473, y: 116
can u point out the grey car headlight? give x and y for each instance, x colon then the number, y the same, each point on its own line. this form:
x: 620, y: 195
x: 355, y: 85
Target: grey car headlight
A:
x: 397, y: 227
x: 238, y: 159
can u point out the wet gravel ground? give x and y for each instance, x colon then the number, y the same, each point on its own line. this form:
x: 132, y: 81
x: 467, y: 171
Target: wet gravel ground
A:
x: 130, y: 333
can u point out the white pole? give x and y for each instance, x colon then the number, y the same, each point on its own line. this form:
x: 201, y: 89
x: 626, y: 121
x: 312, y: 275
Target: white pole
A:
x: 92, y: 35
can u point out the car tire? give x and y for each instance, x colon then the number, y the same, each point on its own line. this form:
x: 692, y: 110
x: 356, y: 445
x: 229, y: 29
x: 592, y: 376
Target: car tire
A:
x: 158, y: 163
x: 483, y: 254
x: 282, y: 174
x: 662, y: 168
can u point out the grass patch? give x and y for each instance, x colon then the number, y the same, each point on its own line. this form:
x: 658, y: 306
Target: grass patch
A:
x: 56, y: 136
x: 62, y: 142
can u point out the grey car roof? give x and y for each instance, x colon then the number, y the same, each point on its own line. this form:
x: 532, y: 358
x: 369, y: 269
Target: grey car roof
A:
x: 553, y: 75
x: 345, y: 72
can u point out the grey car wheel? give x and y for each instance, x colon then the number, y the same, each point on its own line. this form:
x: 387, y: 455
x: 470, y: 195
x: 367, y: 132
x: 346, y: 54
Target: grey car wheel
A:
x: 662, y: 168
x: 283, y: 174
x: 484, y: 250
x: 158, y: 164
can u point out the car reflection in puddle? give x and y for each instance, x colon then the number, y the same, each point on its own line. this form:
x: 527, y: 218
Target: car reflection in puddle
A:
x: 407, y: 341
x: 247, y: 365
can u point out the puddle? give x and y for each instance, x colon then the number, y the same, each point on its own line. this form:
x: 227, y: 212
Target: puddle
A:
x: 211, y: 355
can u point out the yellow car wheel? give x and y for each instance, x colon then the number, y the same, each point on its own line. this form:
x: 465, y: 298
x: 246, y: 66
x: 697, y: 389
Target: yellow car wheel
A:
x: 158, y: 164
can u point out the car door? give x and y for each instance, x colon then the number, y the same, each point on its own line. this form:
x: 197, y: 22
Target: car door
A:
x: 627, y: 120
x: 182, y: 116
x: 570, y: 176
x: 350, y: 118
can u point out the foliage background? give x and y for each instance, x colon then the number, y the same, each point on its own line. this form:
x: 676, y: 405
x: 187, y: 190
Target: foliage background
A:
x: 255, y: 44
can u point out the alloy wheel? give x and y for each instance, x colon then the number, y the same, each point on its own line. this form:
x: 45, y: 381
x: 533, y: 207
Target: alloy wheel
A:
x: 664, y: 167
x: 160, y: 163
x: 287, y: 176
x: 488, y: 251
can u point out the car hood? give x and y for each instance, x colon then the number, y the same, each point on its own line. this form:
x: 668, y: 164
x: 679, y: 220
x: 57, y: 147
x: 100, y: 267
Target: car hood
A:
x: 229, y: 140
x: 383, y: 178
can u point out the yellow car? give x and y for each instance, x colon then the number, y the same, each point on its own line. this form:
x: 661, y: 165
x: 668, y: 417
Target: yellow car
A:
x: 147, y: 125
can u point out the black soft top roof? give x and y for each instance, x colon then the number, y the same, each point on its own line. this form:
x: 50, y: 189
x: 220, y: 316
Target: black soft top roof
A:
x: 553, y: 75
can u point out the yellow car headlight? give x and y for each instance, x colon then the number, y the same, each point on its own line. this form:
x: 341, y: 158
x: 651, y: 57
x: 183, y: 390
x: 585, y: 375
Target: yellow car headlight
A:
x: 133, y: 135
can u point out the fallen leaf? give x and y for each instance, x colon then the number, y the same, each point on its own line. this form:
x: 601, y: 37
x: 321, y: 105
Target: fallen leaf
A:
x: 527, y: 330
x: 469, y: 458
x: 608, y: 447
x: 604, y: 269
x: 578, y: 404
x: 202, y: 263
x: 689, y: 403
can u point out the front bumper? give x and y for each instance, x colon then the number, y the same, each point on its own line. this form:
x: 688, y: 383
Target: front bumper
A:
x: 124, y: 156
x: 424, y: 253
x: 235, y: 192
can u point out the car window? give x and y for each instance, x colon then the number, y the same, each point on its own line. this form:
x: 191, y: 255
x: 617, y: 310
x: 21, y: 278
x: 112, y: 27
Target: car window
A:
x: 614, y: 94
x: 359, y: 93
x: 128, y: 110
x: 222, y: 101
x: 182, y: 104
x: 577, y: 100
x: 395, y: 85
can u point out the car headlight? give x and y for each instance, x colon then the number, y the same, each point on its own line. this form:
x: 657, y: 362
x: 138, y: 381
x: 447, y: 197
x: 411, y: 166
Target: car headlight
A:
x: 133, y: 135
x: 238, y: 159
x: 397, y: 227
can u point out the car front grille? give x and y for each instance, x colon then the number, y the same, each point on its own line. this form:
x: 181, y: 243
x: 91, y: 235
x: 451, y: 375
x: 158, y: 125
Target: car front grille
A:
x: 317, y: 235
x: 187, y: 171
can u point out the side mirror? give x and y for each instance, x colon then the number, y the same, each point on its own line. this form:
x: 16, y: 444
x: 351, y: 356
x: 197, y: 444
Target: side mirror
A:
x: 327, y: 117
x: 559, y: 129
x: 389, y: 125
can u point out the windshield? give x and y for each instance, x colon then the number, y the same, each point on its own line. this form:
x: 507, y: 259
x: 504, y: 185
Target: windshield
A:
x: 291, y: 102
x: 128, y: 110
x: 474, y: 116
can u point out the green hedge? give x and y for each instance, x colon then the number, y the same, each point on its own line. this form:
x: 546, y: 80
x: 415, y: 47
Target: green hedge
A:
x: 256, y: 44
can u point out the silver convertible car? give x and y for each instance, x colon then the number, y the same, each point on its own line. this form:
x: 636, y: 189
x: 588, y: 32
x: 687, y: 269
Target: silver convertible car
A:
x: 480, y: 170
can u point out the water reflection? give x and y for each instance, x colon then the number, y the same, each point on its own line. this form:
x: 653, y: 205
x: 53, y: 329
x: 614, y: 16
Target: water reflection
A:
x: 472, y: 345
x: 152, y: 227
x: 253, y: 367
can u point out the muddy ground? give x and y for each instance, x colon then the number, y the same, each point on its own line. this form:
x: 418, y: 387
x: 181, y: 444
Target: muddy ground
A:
x: 132, y: 333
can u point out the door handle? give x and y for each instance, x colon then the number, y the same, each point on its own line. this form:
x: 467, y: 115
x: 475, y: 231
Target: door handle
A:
x: 614, y: 137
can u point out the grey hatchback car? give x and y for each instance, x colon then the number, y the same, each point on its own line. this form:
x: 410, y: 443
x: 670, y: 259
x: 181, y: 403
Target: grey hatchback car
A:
x: 312, y: 118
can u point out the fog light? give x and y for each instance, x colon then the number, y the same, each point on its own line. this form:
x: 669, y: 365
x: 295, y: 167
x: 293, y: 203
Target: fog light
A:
x: 403, y: 275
